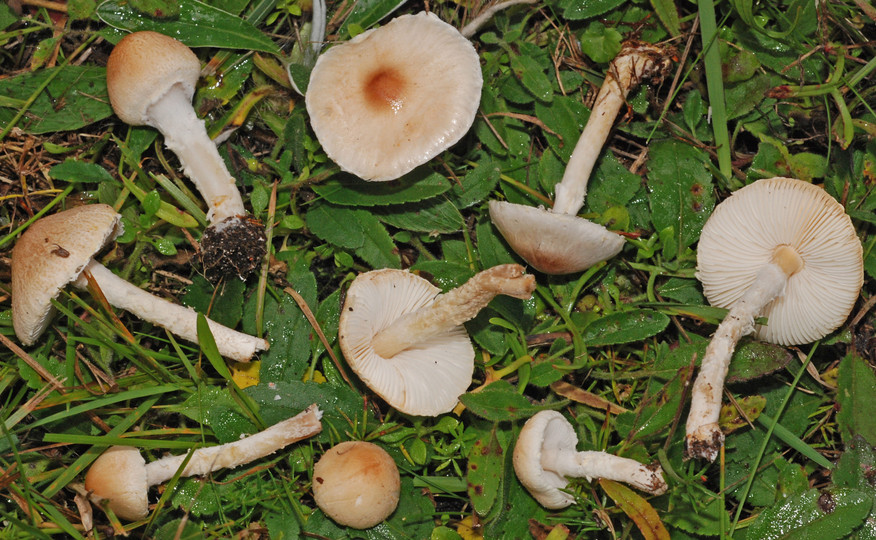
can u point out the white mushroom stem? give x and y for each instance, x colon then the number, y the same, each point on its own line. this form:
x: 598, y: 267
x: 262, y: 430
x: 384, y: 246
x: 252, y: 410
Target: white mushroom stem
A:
x: 635, y: 62
x: 470, y: 29
x: 594, y: 464
x: 704, y: 436
x: 181, y: 320
x: 186, y: 136
x: 206, y: 460
x: 453, y: 308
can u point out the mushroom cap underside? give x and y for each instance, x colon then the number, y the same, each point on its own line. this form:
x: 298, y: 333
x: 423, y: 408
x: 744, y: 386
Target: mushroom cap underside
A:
x: 394, y: 97
x: 50, y: 254
x: 544, y: 433
x: 554, y: 243
x: 745, y: 231
x: 142, y: 68
x: 119, y: 476
x: 426, y: 379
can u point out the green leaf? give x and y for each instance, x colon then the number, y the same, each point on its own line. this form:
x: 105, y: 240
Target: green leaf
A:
x: 377, y: 249
x: 198, y: 25
x: 681, y: 190
x: 224, y: 305
x: 335, y: 224
x: 668, y: 15
x: 565, y: 116
x: 624, y: 327
x: 575, y: 10
x: 814, y: 514
x: 533, y: 76
x: 348, y: 190
x: 476, y: 185
x: 637, y: 508
x: 500, y: 402
x: 601, y: 44
x: 485, y: 470
x: 367, y: 13
x: 74, y: 171
x: 753, y: 359
x: 160, y: 9
x: 856, y: 393
x: 435, y: 216
x: 7, y: 16
x: 75, y: 97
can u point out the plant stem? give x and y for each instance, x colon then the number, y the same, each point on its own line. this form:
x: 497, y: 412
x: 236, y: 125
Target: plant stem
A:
x: 715, y: 85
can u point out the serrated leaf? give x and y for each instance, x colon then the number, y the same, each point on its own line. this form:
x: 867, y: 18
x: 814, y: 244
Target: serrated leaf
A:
x: 435, y: 216
x: 476, y: 185
x: 681, y: 196
x: 754, y: 359
x: 198, y: 25
x: 533, y: 76
x: 335, y: 224
x: 484, y: 473
x: 637, y: 508
x: 575, y: 10
x: 500, y: 402
x: 75, y: 97
x: 624, y: 327
x: 814, y: 514
x: 348, y: 190
x: 377, y: 249
x: 856, y: 393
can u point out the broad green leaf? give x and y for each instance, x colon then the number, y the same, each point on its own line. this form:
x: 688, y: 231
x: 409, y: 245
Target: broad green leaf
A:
x: 637, y: 508
x: 855, y: 466
x: 367, y: 13
x: 491, y: 246
x: 75, y: 97
x: 601, y: 44
x: 500, y: 402
x: 485, y: 470
x: 657, y: 411
x: 444, y: 274
x: 289, y: 334
x: 198, y: 25
x: 73, y: 170
x: 223, y: 305
x: 159, y: 9
x: 612, y: 185
x: 434, y: 216
x: 668, y: 15
x: 681, y: 190
x: 476, y: 185
x: 731, y: 419
x: 695, y: 512
x: 565, y: 116
x: 753, y: 359
x: 533, y: 76
x: 576, y: 10
x: 814, y: 514
x: 855, y: 396
x: 685, y: 291
x: 335, y: 224
x: 7, y: 16
x: 377, y: 249
x: 624, y: 327
x: 349, y: 190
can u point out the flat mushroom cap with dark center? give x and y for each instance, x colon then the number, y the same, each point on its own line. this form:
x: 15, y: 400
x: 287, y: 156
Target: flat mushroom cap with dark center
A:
x: 425, y: 379
x: 743, y: 234
x: 394, y: 97
x: 49, y: 255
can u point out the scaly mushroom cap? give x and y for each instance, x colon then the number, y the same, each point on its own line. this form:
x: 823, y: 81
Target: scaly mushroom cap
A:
x: 144, y: 66
x: 426, y: 379
x: 394, y: 97
x: 744, y: 233
x: 50, y: 254
x: 119, y: 476
x: 548, y: 432
x: 554, y: 243
x: 357, y: 484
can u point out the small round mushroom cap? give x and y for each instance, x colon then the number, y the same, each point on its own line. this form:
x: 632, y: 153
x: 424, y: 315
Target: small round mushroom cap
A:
x: 546, y: 433
x: 394, y: 97
x: 119, y: 476
x: 743, y: 235
x: 51, y: 253
x: 142, y: 68
x: 356, y: 484
x: 426, y: 379
x: 554, y: 243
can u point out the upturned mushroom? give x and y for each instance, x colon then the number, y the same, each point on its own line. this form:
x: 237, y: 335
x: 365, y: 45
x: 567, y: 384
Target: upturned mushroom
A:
x: 778, y: 248
x: 557, y: 241
x: 406, y: 341
x: 545, y: 457
x: 356, y: 484
x: 59, y: 249
x: 394, y: 97
x: 151, y: 79
x: 121, y: 477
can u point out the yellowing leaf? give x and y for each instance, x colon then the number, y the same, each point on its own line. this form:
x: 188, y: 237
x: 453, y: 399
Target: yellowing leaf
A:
x: 245, y: 374
x: 637, y: 508
x: 730, y: 419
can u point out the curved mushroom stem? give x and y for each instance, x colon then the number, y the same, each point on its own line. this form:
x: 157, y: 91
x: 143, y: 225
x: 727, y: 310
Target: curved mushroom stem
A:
x: 453, y: 308
x: 704, y: 436
x: 206, y: 460
x: 635, y: 62
x: 470, y: 29
x: 594, y: 464
x: 186, y: 136
x: 181, y: 320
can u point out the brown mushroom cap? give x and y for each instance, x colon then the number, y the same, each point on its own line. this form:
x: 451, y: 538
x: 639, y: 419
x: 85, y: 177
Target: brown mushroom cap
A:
x: 119, y: 476
x: 144, y: 66
x: 356, y: 484
x: 50, y: 254
x: 743, y: 235
x: 394, y: 97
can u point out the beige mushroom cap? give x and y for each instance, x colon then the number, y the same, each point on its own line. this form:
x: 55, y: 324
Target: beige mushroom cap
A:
x: 142, y: 68
x: 51, y: 253
x: 356, y: 484
x: 554, y: 243
x: 394, y: 97
x: 546, y: 433
x: 742, y: 235
x: 426, y: 379
x: 119, y: 476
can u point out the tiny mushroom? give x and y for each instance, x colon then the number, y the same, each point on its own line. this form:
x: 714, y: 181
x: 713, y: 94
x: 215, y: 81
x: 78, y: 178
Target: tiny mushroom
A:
x: 406, y: 341
x: 121, y: 477
x: 151, y: 80
x: 545, y: 455
x: 394, y: 97
x: 59, y: 249
x: 356, y: 484
x: 556, y: 241
x: 778, y: 248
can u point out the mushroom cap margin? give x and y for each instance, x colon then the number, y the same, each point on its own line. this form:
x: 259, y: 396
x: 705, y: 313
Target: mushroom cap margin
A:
x: 544, y: 432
